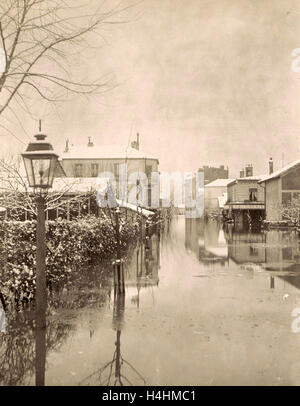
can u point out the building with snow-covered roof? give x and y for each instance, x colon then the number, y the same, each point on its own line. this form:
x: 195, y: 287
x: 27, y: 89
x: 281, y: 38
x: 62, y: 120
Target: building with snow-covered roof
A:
x: 246, y: 200
x: 215, y: 194
x: 93, y: 161
x: 282, y: 190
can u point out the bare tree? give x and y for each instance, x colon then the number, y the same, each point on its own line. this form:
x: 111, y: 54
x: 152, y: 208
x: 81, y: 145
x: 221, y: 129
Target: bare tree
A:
x: 38, y: 38
x: 289, y: 211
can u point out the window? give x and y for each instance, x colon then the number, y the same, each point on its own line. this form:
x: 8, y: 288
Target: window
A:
x: 116, y: 171
x: 94, y: 170
x: 116, y: 175
x: 296, y: 198
x: 138, y: 190
x: 287, y: 253
x: 78, y: 170
x: 148, y: 170
x: 253, y: 195
x: 253, y: 251
x: 286, y: 199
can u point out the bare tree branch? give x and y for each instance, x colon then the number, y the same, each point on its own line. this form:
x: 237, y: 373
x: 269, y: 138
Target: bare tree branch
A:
x: 35, y: 33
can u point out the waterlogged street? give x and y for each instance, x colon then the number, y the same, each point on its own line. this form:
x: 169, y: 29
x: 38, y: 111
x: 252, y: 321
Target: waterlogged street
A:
x: 203, y: 306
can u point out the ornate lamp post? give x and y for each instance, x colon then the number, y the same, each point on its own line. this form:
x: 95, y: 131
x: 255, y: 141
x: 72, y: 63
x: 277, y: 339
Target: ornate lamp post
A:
x: 40, y: 162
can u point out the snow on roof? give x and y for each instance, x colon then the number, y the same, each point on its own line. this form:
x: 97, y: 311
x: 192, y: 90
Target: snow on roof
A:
x: 135, y: 208
x: 281, y: 171
x: 84, y: 185
x: 256, y: 178
x: 105, y: 152
x: 219, y: 183
x: 75, y: 185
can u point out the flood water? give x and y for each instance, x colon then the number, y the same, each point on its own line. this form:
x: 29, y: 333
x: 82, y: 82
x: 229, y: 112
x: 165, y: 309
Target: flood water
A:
x: 204, y: 305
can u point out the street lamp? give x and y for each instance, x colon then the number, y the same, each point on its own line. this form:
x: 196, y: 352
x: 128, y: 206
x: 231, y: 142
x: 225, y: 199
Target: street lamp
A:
x: 40, y: 162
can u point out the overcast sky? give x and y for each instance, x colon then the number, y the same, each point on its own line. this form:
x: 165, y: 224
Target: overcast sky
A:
x: 202, y: 81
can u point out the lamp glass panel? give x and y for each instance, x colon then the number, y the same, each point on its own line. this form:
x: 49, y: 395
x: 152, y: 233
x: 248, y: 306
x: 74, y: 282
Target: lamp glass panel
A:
x: 29, y: 171
x: 53, y: 165
x: 41, y: 169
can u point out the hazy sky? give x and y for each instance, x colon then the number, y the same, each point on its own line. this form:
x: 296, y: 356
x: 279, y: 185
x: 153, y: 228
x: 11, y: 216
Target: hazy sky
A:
x: 202, y: 81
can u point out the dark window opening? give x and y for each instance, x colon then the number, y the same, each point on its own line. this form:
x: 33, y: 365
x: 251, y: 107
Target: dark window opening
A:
x: 287, y: 253
x: 286, y: 199
x: 253, y: 195
x: 78, y: 170
x: 94, y: 170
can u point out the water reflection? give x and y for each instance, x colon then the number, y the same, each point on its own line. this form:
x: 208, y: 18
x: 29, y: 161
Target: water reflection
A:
x: 277, y: 251
x: 118, y: 371
x: 96, y: 336
x: 142, y: 267
x: 40, y: 347
x: 206, y: 240
x: 24, y: 347
x: 31, y: 334
x: 245, y: 247
x: 122, y: 376
x: 2, y: 314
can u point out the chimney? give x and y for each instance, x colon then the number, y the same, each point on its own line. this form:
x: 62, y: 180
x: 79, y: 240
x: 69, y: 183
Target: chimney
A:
x: 136, y: 144
x: 249, y: 170
x: 90, y: 143
x: 67, y: 145
x: 271, y: 167
x: 242, y: 173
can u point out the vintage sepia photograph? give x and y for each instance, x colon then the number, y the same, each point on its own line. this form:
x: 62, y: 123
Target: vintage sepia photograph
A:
x: 149, y: 195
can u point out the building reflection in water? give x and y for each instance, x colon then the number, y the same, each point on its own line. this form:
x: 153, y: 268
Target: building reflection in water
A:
x: 142, y: 269
x: 31, y: 335
x: 245, y: 247
x: 276, y: 251
x: 283, y: 256
x: 141, y: 272
x: 206, y: 240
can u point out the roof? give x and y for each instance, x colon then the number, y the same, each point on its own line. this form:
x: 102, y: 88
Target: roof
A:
x: 134, y: 207
x: 76, y: 185
x: 219, y: 182
x: 84, y: 185
x: 105, y: 152
x: 60, y: 184
x: 281, y: 171
x: 256, y: 178
x: 245, y: 205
